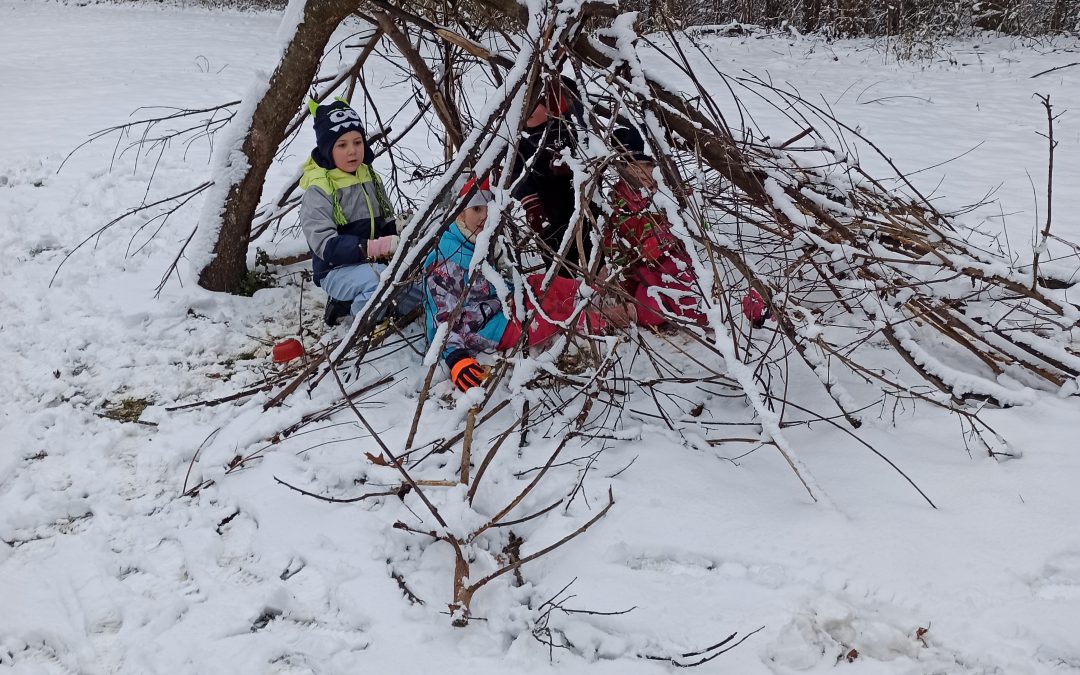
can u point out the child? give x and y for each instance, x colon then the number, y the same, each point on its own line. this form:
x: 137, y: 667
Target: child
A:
x: 347, y: 219
x: 480, y: 324
x: 657, y: 270
x: 546, y: 192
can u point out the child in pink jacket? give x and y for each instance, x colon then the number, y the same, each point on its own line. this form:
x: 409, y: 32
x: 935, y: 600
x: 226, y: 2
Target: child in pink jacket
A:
x: 657, y: 271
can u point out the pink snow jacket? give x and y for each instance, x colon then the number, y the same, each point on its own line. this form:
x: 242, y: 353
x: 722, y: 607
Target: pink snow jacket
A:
x: 658, y: 273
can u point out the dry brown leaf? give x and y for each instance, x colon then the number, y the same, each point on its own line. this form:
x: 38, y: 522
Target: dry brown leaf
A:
x: 380, y: 460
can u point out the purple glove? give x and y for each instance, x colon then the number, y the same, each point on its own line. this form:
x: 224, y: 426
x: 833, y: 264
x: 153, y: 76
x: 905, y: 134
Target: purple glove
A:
x: 383, y: 247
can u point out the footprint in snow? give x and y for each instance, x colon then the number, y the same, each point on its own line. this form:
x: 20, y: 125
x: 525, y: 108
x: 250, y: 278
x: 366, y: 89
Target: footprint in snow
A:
x: 1060, y: 578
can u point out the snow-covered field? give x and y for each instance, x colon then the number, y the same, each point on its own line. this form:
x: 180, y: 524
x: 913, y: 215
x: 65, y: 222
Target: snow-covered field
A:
x: 105, y: 568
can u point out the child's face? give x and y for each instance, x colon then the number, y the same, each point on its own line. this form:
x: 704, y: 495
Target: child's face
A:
x: 639, y: 174
x: 348, y: 152
x: 539, y: 116
x: 471, y: 220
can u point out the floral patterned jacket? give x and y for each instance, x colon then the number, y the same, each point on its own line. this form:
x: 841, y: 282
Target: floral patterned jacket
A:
x: 481, y: 322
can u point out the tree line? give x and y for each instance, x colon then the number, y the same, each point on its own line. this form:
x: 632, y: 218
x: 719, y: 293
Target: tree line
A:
x: 836, y: 18
x: 852, y: 18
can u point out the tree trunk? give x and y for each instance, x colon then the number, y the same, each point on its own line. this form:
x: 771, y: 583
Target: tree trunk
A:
x: 288, y: 85
x: 460, y: 607
x: 1057, y: 18
x: 773, y: 13
x: 893, y: 12
x: 995, y: 15
x: 811, y: 15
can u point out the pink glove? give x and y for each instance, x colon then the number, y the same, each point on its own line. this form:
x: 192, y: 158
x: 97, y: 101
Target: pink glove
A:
x: 383, y: 247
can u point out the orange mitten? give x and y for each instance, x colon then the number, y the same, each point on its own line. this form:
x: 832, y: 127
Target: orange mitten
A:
x: 465, y: 372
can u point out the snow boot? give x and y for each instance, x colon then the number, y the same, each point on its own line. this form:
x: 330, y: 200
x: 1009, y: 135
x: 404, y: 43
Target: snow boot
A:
x: 336, y: 310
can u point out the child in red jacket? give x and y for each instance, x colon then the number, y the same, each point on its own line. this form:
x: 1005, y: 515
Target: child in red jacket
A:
x: 657, y: 271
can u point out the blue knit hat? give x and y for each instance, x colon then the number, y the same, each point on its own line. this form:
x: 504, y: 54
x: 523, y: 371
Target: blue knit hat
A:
x: 629, y: 141
x: 332, y: 121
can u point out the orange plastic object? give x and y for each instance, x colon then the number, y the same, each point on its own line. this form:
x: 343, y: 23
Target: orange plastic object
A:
x: 288, y: 350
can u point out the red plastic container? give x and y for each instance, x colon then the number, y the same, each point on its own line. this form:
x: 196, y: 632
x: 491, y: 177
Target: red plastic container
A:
x: 288, y: 350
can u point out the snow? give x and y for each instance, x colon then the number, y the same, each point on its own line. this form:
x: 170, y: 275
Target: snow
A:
x: 106, y: 568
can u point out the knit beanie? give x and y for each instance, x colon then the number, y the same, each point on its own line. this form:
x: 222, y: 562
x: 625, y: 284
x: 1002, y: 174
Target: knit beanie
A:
x: 629, y: 141
x: 482, y: 195
x: 332, y: 121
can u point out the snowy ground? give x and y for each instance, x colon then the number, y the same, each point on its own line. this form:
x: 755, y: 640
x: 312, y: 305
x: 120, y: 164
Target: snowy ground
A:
x: 104, y: 568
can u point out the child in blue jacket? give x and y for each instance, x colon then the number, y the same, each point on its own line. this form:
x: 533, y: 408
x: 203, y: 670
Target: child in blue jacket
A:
x: 472, y: 310
x: 346, y: 216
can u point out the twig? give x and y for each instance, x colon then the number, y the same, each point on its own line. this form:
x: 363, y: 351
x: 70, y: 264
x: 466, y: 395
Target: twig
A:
x: 184, y: 491
x: 342, y: 500
x: 678, y: 664
x: 466, y: 446
x: 1045, y: 100
x: 1050, y: 70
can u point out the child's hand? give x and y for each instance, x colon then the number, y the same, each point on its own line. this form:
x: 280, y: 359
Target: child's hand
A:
x: 534, y: 212
x: 465, y: 372
x: 383, y: 247
x: 468, y: 374
x: 755, y: 309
